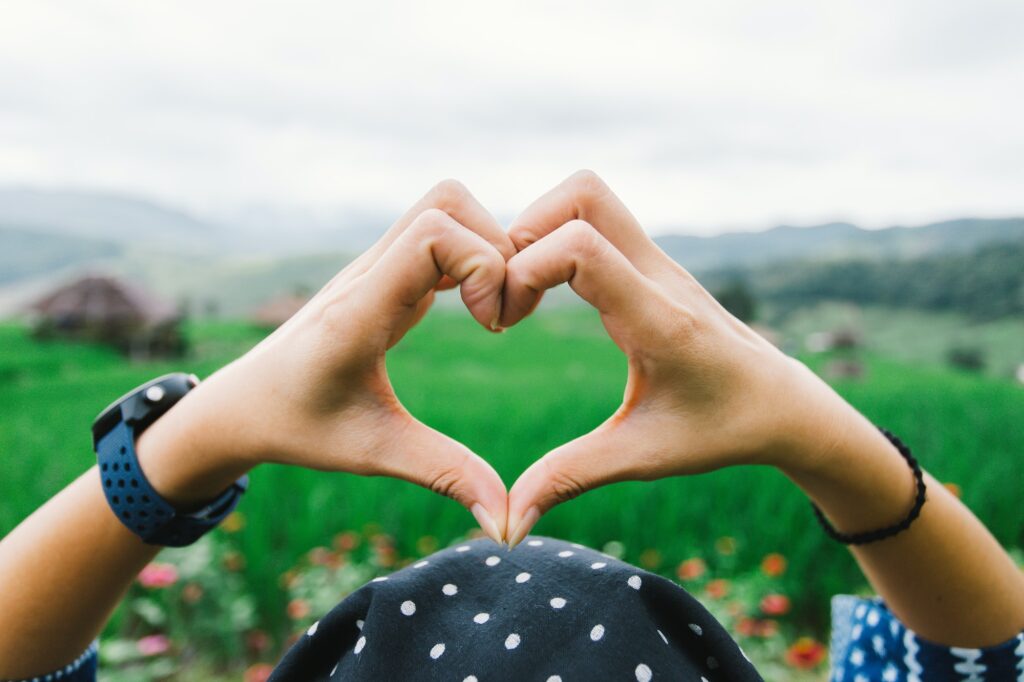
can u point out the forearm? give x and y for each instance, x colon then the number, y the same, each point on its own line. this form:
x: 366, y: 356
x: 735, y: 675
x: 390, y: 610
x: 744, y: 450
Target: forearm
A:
x: 66, y: 567
x: 945, y: 577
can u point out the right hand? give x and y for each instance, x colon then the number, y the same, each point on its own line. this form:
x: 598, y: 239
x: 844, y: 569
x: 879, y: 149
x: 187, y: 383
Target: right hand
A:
x: 316, y: 393
x: 704, y: 391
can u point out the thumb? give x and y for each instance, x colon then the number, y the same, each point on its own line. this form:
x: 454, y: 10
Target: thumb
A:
x: 598, y: 458
x: 421, y: 455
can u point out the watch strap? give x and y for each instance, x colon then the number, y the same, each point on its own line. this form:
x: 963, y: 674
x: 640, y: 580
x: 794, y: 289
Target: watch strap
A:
x: 140, y: 507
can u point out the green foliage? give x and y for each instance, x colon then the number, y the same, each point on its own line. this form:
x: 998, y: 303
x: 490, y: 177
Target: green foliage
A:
x: 986, y: 284
x: 738, y: 299
x: 511, y: 397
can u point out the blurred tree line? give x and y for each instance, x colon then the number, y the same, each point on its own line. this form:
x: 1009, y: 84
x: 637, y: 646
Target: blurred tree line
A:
x: 986, y: 284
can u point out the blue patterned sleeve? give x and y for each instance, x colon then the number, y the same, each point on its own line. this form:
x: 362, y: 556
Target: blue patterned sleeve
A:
x: 869, y: 643
x: 82, y: 669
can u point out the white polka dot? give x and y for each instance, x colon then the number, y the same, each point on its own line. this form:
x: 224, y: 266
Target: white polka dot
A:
x: 493, y: 561
x: 334, y: 669
x: 634, y: 582
x: 420, y: 564
x: 312, y: 629
x: 481, y: 618
x: 408, y: 608
x: 598, y: 564
x: 380, y: 579
x: 697, y: 630
x: 872, y: 618
x: 578, y: 545
x: 535, y: 543
x: 704, y: 679
x: 712, y: 662
x: 597, y: 632
x: 643, y: 673
x: 436, y: 651
x: 470, y: 678
x: 557, y: 603
x: 512, y: 641
x: 555, y: 678
x: 360, y: 623
x: 522, y: 577
x: 462, y: 548
x: 450, y: 589
x: 565, y: 552
x: 663, y: 637
x: 360, y: 644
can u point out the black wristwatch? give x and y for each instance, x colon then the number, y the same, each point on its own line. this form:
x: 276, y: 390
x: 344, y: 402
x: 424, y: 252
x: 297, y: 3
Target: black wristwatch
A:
x: 134, y: 501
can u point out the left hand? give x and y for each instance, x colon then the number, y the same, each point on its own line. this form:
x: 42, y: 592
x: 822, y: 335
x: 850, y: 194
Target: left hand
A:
x: 316, y: 393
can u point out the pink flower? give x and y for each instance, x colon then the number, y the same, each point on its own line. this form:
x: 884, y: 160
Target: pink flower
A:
x: 153, y: 645
x: 156, y: 576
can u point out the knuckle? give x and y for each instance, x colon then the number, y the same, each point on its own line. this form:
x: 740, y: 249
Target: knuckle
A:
x: 449, y: 193
x: 584, y: 241
x: 587, y: 185
x: 433, y: 222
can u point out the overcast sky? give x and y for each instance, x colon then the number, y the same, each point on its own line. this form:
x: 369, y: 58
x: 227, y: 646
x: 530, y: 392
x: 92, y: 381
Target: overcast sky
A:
x: 704, y: 116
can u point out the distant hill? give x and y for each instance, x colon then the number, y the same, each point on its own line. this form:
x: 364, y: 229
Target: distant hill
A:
x: 836, y: 241
x: 108, y: 217
x: 27, y: 253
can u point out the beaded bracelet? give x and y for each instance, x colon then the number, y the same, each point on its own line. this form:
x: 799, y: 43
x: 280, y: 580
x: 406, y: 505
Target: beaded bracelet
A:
x: 888, y: 531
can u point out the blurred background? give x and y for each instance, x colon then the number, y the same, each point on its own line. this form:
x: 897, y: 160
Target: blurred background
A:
x: 177, y: 179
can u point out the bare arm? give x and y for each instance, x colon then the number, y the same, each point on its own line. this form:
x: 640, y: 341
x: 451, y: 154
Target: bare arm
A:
x: 315, y: 394
x: 704, y: 391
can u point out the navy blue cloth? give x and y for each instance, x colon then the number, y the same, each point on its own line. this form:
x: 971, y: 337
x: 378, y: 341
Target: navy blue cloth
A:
x: 554, y: 611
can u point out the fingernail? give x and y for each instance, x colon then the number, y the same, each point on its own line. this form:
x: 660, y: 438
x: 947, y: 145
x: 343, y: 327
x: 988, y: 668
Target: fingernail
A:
x: 486, y: 522
x: 497, y: 316
x: 523, y: 528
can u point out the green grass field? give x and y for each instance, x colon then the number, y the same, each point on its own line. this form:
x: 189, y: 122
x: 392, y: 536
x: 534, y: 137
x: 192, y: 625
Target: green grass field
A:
x: 511, y: 397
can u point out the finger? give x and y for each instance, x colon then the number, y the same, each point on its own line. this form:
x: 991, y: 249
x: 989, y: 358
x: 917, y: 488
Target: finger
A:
x: 421, y: 455
x: 584, y: 196
x: 590, y: 461
x: 435, y: 245
x: 576, y: 253
x: 452, y: 197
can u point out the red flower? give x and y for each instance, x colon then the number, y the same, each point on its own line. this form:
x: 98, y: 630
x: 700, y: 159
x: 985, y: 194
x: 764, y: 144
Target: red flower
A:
x: 691, y: 569
x: 773, y: 565
x: 767, y: 628
x: 805, y: 653
x: 192, y: 593
x: 259, y: 672
x: 716, y: 589
x: 746, y: 626
x: 153, y: 645
x: 257, y: 641
x: 298, y: 609
x: 775, y: 605
x: 347, y: 541
x: 156, y: 576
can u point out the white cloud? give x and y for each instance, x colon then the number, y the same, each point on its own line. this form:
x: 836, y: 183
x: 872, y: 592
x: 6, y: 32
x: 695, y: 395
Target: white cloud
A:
x: 701, y: 115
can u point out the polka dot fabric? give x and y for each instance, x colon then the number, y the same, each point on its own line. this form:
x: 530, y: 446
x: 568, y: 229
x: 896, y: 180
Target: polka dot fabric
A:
x: 547, y: 610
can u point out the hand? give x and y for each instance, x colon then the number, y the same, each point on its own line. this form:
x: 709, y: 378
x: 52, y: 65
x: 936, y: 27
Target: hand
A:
x: 316, y: 393
x: 704, y: 391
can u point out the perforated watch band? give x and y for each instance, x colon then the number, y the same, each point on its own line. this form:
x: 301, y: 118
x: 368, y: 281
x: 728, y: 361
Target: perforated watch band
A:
x: 134, y: 501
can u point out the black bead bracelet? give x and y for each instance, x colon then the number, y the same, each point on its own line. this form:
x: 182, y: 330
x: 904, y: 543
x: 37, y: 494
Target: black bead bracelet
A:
x: 888, y: 531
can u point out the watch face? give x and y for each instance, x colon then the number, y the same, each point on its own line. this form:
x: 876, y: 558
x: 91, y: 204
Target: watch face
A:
x: 143, y: 404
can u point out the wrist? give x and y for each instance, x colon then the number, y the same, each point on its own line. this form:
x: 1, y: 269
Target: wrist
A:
x: 187, y: 454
